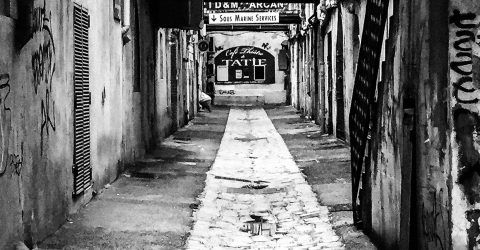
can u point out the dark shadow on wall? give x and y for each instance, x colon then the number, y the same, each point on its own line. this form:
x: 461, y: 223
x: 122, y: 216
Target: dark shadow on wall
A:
x: 466, y: 125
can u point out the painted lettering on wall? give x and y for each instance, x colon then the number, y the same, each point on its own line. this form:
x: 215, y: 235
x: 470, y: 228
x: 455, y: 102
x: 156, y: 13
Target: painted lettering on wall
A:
x: 465, y: 56
x: 43, y: 67
x: 226, y: 92
x: 244, y: 65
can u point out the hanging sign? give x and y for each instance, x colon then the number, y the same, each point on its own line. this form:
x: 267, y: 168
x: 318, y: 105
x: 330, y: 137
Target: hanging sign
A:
x: 243, y: 65
x: 244, y: 17
x: 244, y: 6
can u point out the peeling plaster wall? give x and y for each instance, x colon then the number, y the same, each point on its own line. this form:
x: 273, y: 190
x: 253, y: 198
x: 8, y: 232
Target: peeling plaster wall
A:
x: 36, y: 115
x: 351, y: 45
x: 270, y: 41
x: 163, y: 86
x: 464, y: 62
x: 410, y: 169
x: 386, y: 174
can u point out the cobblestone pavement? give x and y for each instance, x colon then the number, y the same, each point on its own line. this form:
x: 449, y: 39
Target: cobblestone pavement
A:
x: 256, y: 196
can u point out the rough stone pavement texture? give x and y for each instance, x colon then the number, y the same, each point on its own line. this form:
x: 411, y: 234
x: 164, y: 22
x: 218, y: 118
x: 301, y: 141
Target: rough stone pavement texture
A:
x: 252, y: 150
x: 325, y: 162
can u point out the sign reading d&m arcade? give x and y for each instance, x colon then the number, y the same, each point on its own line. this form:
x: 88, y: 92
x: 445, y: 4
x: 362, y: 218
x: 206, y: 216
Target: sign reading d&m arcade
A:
x: 243, y: 17
x: 245, y: 6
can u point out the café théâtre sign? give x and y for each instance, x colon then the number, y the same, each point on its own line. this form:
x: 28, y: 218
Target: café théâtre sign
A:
x: 245, y: 65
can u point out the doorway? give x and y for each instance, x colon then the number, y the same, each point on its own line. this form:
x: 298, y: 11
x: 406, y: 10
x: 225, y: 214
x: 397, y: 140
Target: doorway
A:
x: 329, y: 84
x: 339, y: 95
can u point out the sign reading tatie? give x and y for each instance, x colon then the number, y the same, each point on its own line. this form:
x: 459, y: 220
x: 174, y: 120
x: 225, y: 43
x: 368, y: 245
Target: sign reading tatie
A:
x: 245, y: 65
x: 243, y: 17
x: 244, y: 6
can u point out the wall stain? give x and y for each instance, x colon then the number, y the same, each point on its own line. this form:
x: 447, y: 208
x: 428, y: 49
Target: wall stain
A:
x: 104, y: 96
x: 473, y: 231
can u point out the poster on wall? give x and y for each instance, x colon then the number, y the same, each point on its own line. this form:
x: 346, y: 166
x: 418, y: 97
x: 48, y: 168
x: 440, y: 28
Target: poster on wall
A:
x: 245, y: 65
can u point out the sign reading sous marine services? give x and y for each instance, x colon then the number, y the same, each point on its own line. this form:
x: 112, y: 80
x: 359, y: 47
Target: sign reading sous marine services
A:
x: 243, y: 17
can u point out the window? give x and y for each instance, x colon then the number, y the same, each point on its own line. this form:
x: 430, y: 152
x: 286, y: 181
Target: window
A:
x: 5, y: 7
x: 117, y: 10
x: 259, y: 72
x: 126, y: 13
x: 161, y: 54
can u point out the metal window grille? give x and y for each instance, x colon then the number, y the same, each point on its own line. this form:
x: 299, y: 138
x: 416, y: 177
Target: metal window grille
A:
x: 82, y: 168
x: 364, y: 91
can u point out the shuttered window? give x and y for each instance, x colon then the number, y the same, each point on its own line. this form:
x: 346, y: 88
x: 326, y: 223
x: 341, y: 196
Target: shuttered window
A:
x: 82, y: 168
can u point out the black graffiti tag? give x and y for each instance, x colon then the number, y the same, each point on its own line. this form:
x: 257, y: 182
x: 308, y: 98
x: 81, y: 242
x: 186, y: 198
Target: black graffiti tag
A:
x: 43, y: 67
x: 462, y: 64
x: 4, y: 122
x: 43, y: 64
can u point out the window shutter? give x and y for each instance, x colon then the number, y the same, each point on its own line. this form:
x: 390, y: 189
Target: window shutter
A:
x: 82, y: 169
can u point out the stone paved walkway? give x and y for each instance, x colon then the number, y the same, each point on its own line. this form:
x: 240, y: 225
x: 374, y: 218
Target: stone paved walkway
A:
x: 255, y: 196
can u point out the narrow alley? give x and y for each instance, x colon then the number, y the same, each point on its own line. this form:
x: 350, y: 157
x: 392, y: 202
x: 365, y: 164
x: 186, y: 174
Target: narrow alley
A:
x: 261, y: 124
x: 228, y: 184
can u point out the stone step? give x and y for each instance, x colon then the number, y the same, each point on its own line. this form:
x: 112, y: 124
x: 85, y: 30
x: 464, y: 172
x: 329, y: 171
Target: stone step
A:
x: 240, y: 100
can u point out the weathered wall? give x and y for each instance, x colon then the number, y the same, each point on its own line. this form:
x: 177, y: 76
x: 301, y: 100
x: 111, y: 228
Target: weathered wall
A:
x: 270, y: 41
x: 133, y: 144
x: 36, y: 89
x: 105, y: 86
x: 36, y: 99
x: 464, y: 59
x: 163, y: 86
x: 432, y: 169
x: 410, y: 169
x: 351, y: 46
x: 386, y: 174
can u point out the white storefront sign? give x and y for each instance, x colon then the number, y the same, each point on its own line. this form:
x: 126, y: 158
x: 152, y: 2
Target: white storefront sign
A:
x: 244, y: 17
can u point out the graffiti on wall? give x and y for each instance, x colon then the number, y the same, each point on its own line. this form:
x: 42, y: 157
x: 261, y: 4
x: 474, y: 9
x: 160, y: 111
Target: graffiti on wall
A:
x: 465, y: 64
x: 226, y: 92
x: 266, y: 46
x: 43, y: 67
x: 464, y: 53
x: 433, y: 221
x: 5, y: 118
x: 465, y: 78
